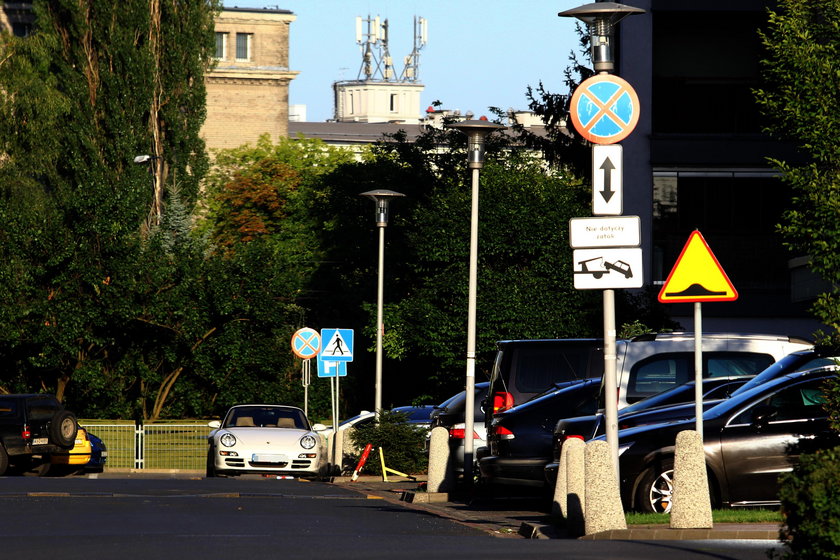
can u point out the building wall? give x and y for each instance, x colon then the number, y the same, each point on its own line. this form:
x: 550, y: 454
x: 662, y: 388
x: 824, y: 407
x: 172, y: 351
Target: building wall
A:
x: 249, y: 97
x: 377, y: 102
x: 16, y: 17
x: 698, y: 160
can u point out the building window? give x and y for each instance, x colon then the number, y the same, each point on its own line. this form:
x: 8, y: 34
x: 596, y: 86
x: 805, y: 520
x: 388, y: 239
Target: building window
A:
x: 699, y: 57
x: 243, y: 46
x: 393, y: 102
x: 221, y: 45
x: 352, y: 110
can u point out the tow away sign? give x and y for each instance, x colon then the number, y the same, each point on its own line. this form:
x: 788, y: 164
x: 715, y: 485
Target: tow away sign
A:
x: 607, y: 269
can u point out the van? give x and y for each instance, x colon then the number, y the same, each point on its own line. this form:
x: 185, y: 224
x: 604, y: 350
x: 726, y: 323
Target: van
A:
x: 645, y: 365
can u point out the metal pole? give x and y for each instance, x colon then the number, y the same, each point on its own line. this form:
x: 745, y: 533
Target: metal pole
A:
x: 379, y: 326
x: 698, y: 368
x: 305, y: 376
x: 469, y: 407
x: 610, y: 391
x: 334, y: 416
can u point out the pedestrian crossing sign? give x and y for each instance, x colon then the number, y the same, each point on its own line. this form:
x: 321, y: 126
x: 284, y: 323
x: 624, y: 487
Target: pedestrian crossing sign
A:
x: 336, y: 345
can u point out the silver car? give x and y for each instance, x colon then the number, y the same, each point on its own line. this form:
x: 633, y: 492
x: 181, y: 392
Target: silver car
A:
x: 266, y: 439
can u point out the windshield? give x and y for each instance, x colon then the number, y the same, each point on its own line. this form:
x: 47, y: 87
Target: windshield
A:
x: 735, y: 402
x: 266, y: 417
x: 789, y: 364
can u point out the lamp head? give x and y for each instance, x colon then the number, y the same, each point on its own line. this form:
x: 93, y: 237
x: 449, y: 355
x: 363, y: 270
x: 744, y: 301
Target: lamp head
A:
x: 476, y: 131
x: 601, y: 18
x: 382, y: 199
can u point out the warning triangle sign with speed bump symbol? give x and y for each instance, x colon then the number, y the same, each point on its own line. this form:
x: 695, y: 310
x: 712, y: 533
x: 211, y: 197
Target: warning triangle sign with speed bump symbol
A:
x: 697, y: 276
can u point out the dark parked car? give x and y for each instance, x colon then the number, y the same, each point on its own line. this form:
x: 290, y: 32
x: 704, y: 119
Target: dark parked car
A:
x: 33, y: 426
x: 666, y: 405
x: 749, y: 439
x: 520, y: 439
x: 673, y: 404
x: 451, y: 414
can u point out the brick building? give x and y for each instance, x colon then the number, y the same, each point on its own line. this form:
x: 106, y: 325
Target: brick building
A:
x: 248, y: 90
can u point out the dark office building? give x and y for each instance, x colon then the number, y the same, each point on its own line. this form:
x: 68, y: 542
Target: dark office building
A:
x: 698, y: 160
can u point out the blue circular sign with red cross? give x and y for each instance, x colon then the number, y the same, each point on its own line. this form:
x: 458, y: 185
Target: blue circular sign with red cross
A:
x: 605, y: 109
x: 306, y: 343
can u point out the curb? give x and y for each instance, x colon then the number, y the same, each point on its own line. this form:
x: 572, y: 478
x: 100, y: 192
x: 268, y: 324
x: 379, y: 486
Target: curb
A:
x: 721, y: 531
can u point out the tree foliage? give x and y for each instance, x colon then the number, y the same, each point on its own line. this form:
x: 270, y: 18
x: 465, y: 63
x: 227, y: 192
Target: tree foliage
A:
x: 95, y: 84
x: 525, y: 281
x: 801, y: 103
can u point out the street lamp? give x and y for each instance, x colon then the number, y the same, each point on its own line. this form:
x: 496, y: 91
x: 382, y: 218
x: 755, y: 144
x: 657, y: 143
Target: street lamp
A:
x: 156, y: 205
x: 602, y: 17
x: 382, y: 199
x: 476, y: 131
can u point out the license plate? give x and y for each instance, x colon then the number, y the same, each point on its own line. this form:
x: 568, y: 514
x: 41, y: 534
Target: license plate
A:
x: 40, y: 441
x: 255, y: 458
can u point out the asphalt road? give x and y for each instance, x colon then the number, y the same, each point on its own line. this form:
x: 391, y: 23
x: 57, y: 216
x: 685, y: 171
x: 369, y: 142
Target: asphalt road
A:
x: 253, y: 517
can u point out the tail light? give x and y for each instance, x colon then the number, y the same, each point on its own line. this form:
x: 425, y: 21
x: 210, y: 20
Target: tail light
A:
x: 25, y: 433
x: 502, y: 401
x: 503, y: 433
x: 459, y: 433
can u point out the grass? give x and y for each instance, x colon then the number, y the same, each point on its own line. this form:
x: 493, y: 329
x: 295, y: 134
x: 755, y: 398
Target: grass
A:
x: 718, y: 516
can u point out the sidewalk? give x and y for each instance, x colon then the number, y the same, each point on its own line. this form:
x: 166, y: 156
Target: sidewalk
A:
x: 523, y: 518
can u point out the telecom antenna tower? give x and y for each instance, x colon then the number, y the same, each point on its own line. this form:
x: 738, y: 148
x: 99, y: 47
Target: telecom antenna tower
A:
x: 411, y: 71
x: 378, y: 94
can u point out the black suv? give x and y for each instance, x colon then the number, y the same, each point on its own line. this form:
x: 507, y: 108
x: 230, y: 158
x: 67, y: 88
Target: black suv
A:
x: 32, y: 427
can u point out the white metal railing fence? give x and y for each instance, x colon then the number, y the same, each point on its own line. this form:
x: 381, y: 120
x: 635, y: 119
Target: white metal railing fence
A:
x: 152, y: 446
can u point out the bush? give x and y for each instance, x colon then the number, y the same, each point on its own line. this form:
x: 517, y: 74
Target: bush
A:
x: 810, y: 499
x: 403, y: 444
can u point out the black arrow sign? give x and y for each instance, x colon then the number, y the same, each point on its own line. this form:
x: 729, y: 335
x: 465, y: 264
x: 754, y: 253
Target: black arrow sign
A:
x: 607, y: 166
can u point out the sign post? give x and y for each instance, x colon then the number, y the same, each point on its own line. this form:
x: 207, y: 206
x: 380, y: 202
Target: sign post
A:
x: 605, y: 110
x: 306, y: 343
x: 697, y: 277
x: 336, y: 351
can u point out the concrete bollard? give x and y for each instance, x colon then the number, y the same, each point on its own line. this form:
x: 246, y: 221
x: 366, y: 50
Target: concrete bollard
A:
x: 440, y: 471
x: 558, y: 503
x: 691, y: 505
x: 575, y: 487
x: 604, y: 511
x: 338, y: 461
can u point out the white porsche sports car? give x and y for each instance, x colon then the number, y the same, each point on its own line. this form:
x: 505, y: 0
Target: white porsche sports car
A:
x: 267, y: 439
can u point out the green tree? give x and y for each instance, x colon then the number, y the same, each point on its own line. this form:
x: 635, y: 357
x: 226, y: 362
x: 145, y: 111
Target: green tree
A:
x: 525, y: 283
x: 95, y: 84
x: 800, y: 102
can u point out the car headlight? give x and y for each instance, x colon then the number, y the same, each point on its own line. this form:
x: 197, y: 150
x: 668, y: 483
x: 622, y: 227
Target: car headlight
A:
x: 227, y: 440
x: 308, y: 441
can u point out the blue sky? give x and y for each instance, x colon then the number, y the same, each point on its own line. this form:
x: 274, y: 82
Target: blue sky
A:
x: 479, y: 52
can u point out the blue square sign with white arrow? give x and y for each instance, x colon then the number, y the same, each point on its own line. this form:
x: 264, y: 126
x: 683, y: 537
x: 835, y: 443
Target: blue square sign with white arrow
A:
x: 336, y: 345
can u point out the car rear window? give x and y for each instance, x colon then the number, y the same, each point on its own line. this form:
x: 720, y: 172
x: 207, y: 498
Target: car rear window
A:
x: 40, y: 409
x: 664, y: 371
x: 535, y: 369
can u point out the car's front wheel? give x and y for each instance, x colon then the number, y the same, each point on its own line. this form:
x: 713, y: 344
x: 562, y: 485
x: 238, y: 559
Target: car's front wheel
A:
x: 656, y: 488
x: 4, y: 460
x: 211, y: 467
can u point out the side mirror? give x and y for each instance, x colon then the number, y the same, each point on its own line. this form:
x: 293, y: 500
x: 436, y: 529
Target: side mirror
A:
x: 215, y: 424
x: 318, y: 427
